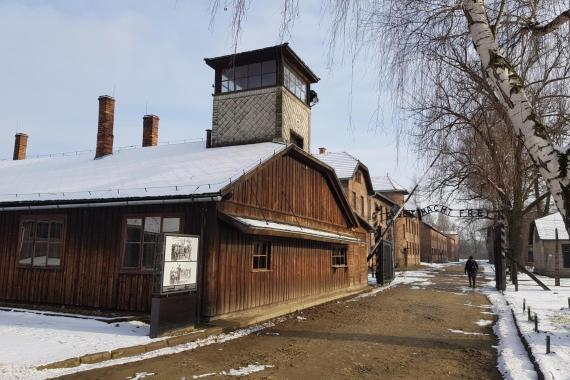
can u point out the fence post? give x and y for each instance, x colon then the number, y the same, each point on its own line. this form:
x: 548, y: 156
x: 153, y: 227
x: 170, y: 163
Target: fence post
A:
x: 524, y: 304
x: 535, y: 322
x: 529, y: 318
x: 556, y: 260
x: 548, y: 344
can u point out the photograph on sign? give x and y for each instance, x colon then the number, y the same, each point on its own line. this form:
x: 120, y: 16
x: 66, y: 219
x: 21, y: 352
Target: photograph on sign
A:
x: 181, y: 248
x: 179, y: 275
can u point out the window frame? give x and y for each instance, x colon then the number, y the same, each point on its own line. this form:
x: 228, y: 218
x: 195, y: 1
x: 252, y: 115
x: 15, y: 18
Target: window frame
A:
x: 268, y: 255
x: 35, y: 218
x: 343, y: 254
x: 565, y: 253
x: 232, y: 77
x: 125, y: 217
x: 295, y: 79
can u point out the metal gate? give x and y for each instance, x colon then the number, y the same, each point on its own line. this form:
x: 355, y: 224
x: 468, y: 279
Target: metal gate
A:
x: 384, y: 263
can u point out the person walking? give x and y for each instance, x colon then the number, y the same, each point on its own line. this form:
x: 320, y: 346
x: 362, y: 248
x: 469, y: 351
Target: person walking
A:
x: 471, y: 268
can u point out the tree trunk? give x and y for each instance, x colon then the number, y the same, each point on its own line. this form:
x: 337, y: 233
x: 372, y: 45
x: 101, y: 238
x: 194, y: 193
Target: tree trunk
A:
x: 514, y: 221
x: 509, y: 89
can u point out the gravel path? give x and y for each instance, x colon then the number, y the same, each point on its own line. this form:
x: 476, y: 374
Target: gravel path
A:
x: 428, y: 326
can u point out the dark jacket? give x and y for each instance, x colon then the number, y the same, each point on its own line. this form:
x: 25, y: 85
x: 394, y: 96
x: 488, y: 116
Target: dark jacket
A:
x: 471, y: 266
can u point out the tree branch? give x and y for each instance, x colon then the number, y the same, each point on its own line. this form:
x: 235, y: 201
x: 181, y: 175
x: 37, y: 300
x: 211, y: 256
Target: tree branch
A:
x: 542, y: 30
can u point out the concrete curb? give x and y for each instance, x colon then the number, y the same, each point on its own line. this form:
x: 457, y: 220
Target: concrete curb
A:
x: 527, y: 346
x: 131, y: 351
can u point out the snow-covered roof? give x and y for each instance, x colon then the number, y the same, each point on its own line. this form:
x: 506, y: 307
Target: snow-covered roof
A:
x: 385, y: 183
x: 187, y: 169
x: 343, y: 163
x: 546, y: 226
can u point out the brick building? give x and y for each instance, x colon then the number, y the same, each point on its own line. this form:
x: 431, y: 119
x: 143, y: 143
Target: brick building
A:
x: 434, y: 244
x: 406, y: 233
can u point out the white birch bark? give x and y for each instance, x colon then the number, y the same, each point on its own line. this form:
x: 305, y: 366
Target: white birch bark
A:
x: 509, y: 89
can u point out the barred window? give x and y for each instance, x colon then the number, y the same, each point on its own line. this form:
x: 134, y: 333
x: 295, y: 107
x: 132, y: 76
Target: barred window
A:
x: 41, y: 241
x: 339, y: 257
x: 262, y: 255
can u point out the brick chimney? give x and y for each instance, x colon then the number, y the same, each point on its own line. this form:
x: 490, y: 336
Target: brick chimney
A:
x: 105, y: 126
x: 150, y: 130
x: 20, y: 146
x: 322, y: 150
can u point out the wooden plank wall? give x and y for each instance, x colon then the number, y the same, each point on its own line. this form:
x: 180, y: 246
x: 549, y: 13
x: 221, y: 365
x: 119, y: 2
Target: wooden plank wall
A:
x: 299, y: 268
x: 90, y: 274
x: 293, y: 189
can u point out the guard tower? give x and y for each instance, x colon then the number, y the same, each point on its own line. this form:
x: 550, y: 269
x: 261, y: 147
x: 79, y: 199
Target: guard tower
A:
x: 262, y: 95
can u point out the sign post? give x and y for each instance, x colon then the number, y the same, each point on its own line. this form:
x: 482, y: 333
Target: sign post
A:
x: 174, y: 301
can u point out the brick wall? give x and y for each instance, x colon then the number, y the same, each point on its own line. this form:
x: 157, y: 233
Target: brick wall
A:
x: 296, y: 117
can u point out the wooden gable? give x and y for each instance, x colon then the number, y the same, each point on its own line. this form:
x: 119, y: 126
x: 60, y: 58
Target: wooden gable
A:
x: 294, y: 188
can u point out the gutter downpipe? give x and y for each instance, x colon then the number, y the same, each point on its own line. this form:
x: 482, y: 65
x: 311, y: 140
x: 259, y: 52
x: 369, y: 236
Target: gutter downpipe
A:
x: 109, y: 204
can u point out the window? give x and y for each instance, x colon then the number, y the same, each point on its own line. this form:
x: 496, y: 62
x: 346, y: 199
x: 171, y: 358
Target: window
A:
x: 262, y: 255
x: 255, y: 75
x: 295, y: 84
x: 362, y: 207
x: 358, y: 177
x: 566, y: 255
x: 297, y: 140
x: 354, y: 200
x: 339, y: 257
x: 41, y: 241
x: 142, y: 239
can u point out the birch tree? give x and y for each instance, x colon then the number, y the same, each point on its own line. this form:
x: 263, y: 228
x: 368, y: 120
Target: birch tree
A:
x: 408, y: 38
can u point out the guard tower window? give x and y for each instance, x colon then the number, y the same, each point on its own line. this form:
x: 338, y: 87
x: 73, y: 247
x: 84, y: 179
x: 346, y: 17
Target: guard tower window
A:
x: 245, y: 77
x: 295, y: 84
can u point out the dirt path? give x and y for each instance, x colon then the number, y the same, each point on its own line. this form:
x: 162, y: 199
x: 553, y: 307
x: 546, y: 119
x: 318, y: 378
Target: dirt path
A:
x: 401, y: 333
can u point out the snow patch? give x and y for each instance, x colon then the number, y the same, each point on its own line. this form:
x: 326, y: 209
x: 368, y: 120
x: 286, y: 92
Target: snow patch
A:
x: 465, y: 332
x: 484, y: 322
x: 140, y: 375
x: 244, y: 371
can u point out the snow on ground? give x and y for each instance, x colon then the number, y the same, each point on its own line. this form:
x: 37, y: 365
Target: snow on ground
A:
x: 465, y: 332
x: 30, y: 373
x: 141, y: 375
x: 242, y: 371
x: 553, y: 314
x: 514, y: 363
x: 31, y: 339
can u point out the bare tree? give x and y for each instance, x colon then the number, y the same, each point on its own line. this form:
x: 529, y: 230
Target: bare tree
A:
x: 412, y: 39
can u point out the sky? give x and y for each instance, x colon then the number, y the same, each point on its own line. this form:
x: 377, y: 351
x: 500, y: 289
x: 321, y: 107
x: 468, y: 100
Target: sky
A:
x: 58, y: 56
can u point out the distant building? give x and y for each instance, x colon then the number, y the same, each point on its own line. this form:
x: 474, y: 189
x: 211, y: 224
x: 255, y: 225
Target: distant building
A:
x: 372, y: 208
x: 452, y: 246
x: 544, y: 245
x: 434, y: 244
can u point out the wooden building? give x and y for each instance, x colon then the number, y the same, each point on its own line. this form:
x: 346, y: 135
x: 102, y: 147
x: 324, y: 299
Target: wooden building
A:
x: 406, y: 234
x: 434, y: 244
x: 276, y: 229
x: 372, y: 209
x: 544, y: 247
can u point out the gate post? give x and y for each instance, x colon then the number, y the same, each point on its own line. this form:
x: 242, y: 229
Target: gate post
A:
x: 500, y: 250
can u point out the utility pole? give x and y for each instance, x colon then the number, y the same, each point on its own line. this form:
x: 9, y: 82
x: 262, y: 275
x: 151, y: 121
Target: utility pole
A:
x: 556, y: 260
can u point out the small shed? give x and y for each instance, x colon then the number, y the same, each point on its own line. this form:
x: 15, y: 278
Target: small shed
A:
x: 544, y: 245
